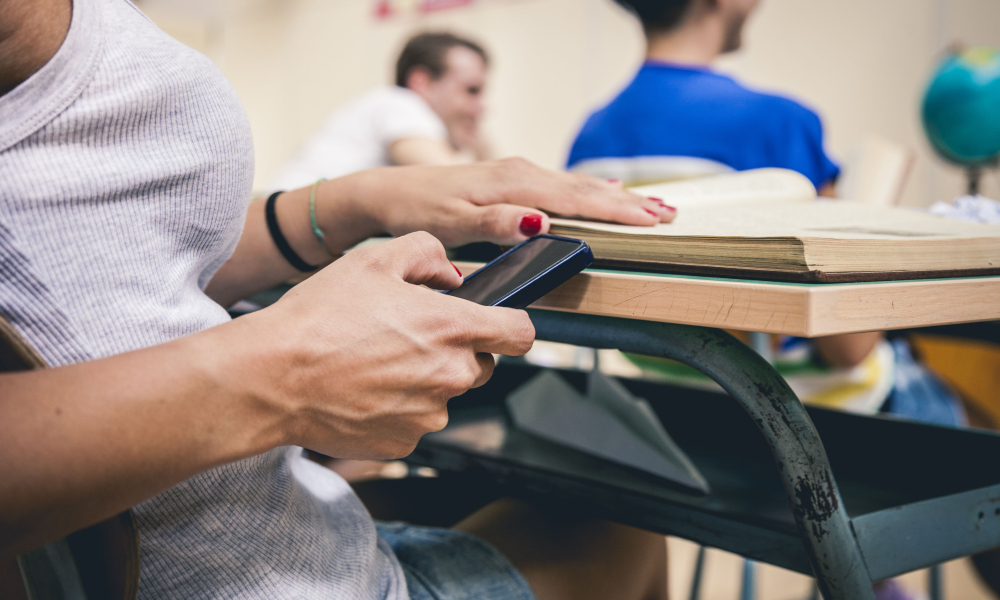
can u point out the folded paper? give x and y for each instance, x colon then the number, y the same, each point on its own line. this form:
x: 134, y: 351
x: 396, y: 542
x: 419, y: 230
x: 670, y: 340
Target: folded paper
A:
x: 608, y: 422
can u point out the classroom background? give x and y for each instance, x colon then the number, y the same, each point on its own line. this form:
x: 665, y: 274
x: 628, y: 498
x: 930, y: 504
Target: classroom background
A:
x: 862, y: 65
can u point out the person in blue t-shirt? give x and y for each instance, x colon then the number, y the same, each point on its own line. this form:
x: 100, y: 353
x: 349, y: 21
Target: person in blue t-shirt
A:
x: 679, y: 118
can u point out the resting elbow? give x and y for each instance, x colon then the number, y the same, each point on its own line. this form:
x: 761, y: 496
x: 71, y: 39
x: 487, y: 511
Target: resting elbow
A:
x: 846, y: 351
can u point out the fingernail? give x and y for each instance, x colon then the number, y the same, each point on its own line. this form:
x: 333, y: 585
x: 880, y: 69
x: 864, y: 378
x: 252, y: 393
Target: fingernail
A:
x: 614, y: 181
x: 531, y: 223
x: 456, y: 270
x: 666, y: 206
x: 651, y: 212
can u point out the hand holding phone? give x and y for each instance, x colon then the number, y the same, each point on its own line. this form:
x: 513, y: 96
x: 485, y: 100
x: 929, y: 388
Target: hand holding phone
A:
x: 526, y: 272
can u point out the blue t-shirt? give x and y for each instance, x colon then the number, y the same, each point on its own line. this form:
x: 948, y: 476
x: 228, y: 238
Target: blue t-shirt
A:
x: 671, y: 110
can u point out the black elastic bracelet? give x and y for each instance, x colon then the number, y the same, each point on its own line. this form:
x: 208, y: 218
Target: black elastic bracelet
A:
x: 279, y: 239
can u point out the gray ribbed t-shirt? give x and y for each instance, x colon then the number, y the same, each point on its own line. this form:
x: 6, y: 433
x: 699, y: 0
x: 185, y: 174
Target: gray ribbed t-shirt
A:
x: 125, y: 169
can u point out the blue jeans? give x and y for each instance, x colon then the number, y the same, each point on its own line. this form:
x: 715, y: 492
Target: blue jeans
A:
x: 917, y: 394
x: 444, y: 564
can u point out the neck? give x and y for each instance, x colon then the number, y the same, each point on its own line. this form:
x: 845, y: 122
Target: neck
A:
x: 696, y: 43
x: 31, y: 32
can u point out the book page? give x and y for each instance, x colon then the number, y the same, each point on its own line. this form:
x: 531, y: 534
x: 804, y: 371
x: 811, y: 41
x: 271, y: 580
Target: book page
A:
x: 829, y: 219
x: 746, y: 187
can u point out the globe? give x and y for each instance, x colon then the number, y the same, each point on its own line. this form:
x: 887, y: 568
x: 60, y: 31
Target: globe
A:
x: 961, y: 108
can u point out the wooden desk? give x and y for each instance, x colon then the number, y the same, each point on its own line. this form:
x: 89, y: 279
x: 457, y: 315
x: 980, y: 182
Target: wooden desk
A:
x: 800, y: 309
x: 680, y: 318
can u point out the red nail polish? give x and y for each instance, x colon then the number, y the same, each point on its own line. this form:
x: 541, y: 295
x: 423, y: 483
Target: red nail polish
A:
x: 614, y: 181
x: 456, y: 270
x: 531, y: 224
x: 651, y: 212
x: 662, y: 204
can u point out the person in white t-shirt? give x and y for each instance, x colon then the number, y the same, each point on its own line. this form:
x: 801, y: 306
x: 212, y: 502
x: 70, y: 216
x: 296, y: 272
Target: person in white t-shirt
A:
x: 431, y: 116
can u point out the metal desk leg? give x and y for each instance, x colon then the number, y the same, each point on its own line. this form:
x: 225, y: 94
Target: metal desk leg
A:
x: 935, y: 582
x: 748, y: 587
x: 699, y: 570
x: 801, y: 459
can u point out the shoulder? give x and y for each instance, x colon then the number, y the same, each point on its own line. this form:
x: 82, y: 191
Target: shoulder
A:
x: 401, y: 113
x: 388, y: 105
x: 147, y: 72
x: 392, y: 97
x: 136, y: 48
x: 775, y: 109
x: 596, y: 139
x: 793, y: 136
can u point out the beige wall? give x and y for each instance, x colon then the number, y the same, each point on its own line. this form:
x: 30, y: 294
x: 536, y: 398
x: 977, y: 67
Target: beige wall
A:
x: 861, y: 64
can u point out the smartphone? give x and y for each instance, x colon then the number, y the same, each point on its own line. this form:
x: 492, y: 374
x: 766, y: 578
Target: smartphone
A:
x: 526, y: 272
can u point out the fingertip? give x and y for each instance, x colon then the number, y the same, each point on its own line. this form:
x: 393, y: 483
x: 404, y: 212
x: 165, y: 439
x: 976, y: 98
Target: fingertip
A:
x: 646, y: 216
x: 453, y: 277
x: 419, y: 258
x: 533, y: 223
x: 526, y: 334
x: 667, y: 212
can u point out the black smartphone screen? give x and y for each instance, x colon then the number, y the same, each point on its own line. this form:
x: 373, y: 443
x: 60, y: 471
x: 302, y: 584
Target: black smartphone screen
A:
x: 514, y: 269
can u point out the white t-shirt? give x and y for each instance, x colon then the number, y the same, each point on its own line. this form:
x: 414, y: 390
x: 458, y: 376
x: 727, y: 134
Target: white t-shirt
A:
x: 357, y: 136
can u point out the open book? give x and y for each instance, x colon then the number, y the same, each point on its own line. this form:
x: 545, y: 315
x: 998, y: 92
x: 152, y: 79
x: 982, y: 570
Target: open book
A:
x: 768, y: 224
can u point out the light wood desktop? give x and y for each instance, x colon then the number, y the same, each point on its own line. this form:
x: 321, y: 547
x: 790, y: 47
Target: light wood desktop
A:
x: 799, y: 309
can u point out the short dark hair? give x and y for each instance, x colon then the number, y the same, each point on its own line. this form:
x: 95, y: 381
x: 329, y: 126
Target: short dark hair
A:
x: 657, y: 16
x: 427, y: 51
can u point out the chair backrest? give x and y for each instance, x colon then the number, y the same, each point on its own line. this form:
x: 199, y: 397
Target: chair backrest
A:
x: 106, y: 555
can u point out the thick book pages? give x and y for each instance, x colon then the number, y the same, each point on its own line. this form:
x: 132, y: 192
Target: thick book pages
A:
x: 766, y: 224
x: 758, y: 186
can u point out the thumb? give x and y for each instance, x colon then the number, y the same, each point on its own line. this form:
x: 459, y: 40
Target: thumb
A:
x: 503, y: 223
x: 420, y: 259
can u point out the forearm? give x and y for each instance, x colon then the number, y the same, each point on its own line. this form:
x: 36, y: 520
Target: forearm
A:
x: 257, y: 265
x: 846, y: 350
x: 419, y: 151
x: 485, y: 201
x: 84, y: 442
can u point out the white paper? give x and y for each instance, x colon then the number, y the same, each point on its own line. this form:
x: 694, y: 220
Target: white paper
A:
x: 608, y: 422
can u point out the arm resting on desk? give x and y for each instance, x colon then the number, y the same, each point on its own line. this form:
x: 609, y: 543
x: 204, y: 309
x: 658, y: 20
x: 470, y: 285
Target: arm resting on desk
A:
x: 481, y: 202
x: 846, y: 350
x: 423, y: 151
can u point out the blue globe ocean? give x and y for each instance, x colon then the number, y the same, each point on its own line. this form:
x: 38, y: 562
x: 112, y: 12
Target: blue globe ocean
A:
x: 961, y: 108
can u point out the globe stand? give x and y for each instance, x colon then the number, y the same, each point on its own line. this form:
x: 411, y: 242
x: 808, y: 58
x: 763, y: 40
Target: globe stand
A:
x: 973, y: 175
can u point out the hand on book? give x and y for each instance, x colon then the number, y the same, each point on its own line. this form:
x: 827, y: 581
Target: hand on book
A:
x: 504, y: 201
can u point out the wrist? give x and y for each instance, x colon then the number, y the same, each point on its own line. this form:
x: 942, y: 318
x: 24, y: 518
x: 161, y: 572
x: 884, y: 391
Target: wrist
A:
x: 241, y: 378
x: 347, y: 210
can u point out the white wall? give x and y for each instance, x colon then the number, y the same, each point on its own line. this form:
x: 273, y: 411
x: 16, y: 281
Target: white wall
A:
x: 862, y: 64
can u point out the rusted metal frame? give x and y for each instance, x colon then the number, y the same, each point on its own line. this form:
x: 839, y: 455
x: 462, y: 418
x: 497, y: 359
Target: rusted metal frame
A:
x: 812, y: 491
